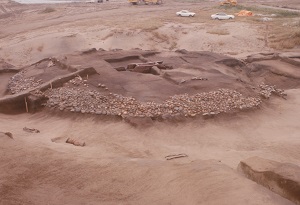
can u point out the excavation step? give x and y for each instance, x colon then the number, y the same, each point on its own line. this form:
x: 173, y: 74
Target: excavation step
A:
x: 281, y: 178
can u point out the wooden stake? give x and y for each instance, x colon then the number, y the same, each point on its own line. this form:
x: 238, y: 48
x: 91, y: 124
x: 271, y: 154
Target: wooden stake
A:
x: 87, y: 76
x: 26, y: 104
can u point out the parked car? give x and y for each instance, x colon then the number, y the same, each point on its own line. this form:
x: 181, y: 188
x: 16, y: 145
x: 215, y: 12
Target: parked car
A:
x: 221, y: 16
x: 185, y: 13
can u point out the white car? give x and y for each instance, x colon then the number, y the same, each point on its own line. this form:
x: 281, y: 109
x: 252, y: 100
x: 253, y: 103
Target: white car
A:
x: 185, y: 13
x: 221, y: 16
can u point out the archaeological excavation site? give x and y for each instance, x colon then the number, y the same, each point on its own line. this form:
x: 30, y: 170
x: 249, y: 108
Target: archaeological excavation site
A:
x: 149, y: 102
x: 147, y: 84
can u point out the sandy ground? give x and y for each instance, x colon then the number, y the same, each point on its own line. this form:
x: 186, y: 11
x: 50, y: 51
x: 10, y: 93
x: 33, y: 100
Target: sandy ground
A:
x: 110, y: 26
x: 121, y: 164
x: 126, y: 165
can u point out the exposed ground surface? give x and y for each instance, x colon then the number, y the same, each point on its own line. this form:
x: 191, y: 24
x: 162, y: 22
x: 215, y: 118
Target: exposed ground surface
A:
x: 210, y: 102
x: 57, y: 29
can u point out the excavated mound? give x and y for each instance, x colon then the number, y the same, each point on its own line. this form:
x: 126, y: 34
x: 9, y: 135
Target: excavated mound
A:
x: 6, y: 72
x: 139, y: 83
x: 276, y: 69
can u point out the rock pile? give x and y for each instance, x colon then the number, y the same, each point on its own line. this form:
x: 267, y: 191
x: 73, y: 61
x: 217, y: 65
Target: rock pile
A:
x: 267, y: 90
x: 19, y: 83
x: 79, y: 98
x: 85, y: 101
x: 77, y: 81
x: 199, y: 78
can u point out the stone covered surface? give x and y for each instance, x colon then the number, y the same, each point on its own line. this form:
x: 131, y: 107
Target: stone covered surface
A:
x: 31, y: 98
x: 267, y: 90
x: 214, y: 102
x: 282, y: 178
x: 19, y: 83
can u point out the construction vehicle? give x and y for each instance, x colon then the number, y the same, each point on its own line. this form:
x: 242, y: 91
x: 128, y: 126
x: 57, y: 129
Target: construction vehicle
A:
x: 135, y: 2
x: 228, y: 2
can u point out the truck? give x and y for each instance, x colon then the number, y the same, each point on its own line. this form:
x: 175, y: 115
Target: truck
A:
x: 228, y: 2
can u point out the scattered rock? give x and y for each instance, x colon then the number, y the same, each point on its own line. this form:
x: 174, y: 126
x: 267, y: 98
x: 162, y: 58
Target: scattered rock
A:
x: 32, y: 130
x: 267, y: 90
x: 116, y: 49
x: 50, y: 64
x: 199, y: 78
x: 77, y: 81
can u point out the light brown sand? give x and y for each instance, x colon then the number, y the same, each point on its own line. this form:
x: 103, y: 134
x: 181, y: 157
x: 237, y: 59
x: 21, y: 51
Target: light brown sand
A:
x: 126, y: 165
x: 121, y: 164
